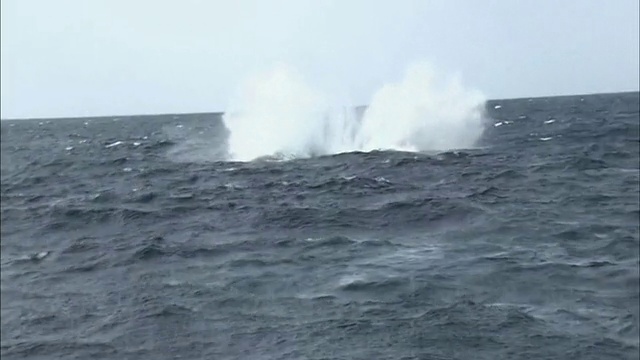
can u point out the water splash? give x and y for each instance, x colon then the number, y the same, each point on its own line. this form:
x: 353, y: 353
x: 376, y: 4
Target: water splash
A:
x: 278, y: 114
x: 273, y: 113
x: 420, y: 113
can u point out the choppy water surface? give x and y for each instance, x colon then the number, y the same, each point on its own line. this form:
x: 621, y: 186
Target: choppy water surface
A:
x: 133, y: 238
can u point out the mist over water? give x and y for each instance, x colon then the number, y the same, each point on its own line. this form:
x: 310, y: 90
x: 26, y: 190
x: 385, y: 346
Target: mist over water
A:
x: 278, y: 114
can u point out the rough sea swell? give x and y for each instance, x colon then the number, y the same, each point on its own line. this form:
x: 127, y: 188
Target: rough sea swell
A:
x: 133, y: 238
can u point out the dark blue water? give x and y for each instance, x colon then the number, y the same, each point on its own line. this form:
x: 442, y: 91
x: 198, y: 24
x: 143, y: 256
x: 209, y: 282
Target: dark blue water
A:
x: 131, y: 238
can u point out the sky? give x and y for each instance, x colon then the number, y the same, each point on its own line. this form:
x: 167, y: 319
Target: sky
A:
x: 69, y: 58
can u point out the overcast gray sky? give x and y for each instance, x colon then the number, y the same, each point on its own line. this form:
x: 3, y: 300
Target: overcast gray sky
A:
x: 109, y: 57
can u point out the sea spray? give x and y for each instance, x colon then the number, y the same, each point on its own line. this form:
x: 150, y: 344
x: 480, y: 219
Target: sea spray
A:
x: 422, y: 112
x: 274, y: 113
x: 277, y: 114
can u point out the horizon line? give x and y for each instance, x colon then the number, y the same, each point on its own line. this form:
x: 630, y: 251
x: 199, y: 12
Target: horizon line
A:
x: 222, y: 112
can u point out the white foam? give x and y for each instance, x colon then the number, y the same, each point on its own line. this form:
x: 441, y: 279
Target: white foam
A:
x: 38, y: 256
x: 114, y: 144
x: 69, y: 148
x: 545, y: 138
x: 420, y: 254
x: 626, y: 170
x: 136, y: 144
x: 499, y: 123
x: 278, y: 114
x: 550, y: 121
x: 233, y: 186
x: 350, y: 280
x: 497, y: 107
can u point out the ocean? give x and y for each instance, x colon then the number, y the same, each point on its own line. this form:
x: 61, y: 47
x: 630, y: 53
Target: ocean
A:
x: 139, y: 238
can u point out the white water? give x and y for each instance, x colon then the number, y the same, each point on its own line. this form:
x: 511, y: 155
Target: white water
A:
x: 278, y: 114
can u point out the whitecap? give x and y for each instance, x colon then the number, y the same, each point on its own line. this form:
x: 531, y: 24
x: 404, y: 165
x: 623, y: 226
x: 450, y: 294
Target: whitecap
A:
x: 625, y: 170
x: 499, y: 123
x: 173, y: 282
x: 550, y: 121
x: 350, y: 280
x: 233, y: 186
x: 546, y: 138
x: 114, y: 144
x: 39, y: 256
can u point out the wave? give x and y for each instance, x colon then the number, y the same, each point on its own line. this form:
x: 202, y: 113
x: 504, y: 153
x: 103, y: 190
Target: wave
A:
x: 276, y: 114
